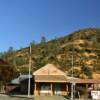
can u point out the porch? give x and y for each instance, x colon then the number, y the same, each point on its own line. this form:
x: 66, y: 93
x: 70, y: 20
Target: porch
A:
x: 45, y: 89
x: 50, y: 85
x: 82, y: 87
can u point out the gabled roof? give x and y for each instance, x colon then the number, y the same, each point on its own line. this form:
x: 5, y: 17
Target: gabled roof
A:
x: 49, y: 73
x: 49, y: 69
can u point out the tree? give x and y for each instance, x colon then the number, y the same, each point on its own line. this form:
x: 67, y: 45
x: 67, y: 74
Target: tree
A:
x: 86, y: 70
x: 7, y: 71
x: 20, y: 61
x: 43, y: 40
x: 44, y: 47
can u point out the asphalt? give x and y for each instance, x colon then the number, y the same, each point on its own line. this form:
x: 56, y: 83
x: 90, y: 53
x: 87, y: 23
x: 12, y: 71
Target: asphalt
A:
x: 31, y: 97
x: 15, y: 97
x: 25, y: 97
x: 50, y: 98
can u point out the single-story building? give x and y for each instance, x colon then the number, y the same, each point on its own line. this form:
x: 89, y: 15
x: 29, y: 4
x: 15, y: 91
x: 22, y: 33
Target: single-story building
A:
x: 50, y: 80
x: 85, y: 86
x: 19, y: 85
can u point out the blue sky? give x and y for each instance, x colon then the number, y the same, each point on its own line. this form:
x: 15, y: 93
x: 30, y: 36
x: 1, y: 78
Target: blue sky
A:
x: 22, y: 21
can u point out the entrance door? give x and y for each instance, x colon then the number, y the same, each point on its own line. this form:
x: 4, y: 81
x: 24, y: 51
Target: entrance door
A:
x: 45, y: 89
x: 57, y: 89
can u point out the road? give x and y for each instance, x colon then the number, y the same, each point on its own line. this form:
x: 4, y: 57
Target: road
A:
x: 50, y: 98
x: 6, y: 97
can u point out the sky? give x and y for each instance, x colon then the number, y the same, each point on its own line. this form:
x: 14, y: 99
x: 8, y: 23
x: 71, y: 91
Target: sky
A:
x: 24, y: 21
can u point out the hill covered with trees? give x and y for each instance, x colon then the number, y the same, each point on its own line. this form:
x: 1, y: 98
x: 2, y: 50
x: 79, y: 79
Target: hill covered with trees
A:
x: 80, y: 49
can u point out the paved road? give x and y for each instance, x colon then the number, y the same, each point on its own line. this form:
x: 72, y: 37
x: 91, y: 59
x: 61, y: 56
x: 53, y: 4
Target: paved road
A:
x: 13, y: 98
x: 49, y: 98
x: 5, y: 97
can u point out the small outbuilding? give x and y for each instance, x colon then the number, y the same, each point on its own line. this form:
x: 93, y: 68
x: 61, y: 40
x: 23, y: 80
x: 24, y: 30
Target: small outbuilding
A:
x: 19, y: 85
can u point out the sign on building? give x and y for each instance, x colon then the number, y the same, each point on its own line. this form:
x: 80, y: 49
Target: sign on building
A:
x: 95, y: 94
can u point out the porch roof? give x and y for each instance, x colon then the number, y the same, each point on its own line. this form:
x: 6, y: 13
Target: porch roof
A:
x: 50, y: 78
x: 95, y: 81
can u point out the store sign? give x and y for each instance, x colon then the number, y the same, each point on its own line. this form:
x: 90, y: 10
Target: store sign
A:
x: 95, y: 94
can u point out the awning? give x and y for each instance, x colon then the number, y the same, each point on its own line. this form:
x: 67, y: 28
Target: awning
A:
x: 95, y: 81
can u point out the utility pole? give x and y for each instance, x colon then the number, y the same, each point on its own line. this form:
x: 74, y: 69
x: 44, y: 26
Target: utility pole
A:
x: 72, y: 76
x: 29, y: 80
x: 72, y: 88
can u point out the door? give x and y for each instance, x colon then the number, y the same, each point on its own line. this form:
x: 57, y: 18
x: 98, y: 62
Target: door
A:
x: 45, y: 89
x: 57, y: 89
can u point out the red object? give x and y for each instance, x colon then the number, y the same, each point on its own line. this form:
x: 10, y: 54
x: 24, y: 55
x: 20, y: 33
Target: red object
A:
x: 2, y: 62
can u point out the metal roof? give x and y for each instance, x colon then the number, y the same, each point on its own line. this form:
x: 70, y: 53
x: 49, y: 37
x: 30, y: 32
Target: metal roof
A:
x: 20, y: 79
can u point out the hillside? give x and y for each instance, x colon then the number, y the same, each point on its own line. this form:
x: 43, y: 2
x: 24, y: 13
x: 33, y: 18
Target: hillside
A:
x: 82, y: 46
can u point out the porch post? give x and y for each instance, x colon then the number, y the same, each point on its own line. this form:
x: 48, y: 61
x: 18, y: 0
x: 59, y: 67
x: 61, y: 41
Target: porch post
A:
x: 66, y: 89
x: 51, y: 86
x: 35, y: 91
x: 86, y: 91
